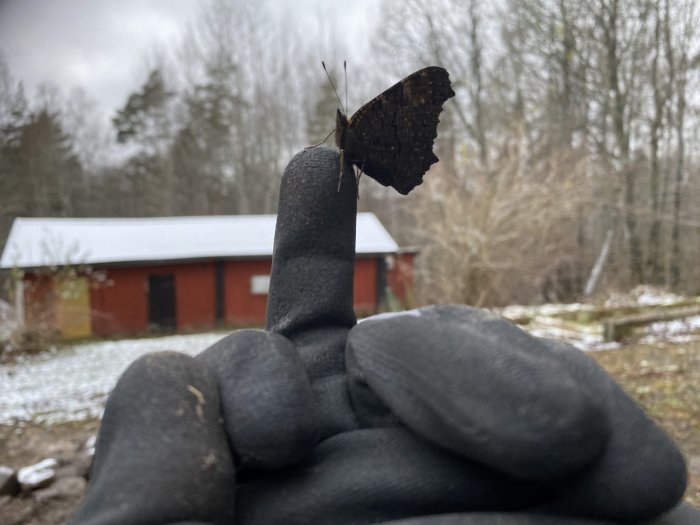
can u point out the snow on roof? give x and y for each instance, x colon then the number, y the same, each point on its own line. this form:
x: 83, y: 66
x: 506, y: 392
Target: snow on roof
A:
x: 38, y: 242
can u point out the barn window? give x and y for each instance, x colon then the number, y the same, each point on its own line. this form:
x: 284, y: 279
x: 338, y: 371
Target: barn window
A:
x: 259, y: 284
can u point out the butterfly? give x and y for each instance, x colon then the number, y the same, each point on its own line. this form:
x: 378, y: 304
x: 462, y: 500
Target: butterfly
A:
x: 391, y: 137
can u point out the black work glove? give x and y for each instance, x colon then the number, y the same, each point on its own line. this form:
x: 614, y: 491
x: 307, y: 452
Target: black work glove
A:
x: 442, y: 416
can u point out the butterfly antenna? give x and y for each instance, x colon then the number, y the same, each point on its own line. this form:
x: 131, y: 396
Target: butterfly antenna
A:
x: 345, y: 70
x: 333, y: 86
x: 323, y: 141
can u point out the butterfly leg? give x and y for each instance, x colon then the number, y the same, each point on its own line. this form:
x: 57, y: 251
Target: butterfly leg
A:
x: 358, y: 174
x: 342, y: 163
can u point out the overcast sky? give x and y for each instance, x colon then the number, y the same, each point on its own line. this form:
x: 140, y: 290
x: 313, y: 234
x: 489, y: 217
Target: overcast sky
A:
x: 101, y: 45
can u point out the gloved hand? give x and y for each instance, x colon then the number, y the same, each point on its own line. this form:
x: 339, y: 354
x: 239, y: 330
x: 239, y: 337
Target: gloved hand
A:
x: 442, y: 416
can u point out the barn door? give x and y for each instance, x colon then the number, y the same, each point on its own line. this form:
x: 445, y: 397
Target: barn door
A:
x: 161, y: 302
x: 381, y: 283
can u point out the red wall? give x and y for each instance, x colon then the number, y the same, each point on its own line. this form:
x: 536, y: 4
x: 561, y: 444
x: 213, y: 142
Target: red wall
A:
x: 121, y: 305
x: 241, y: 307
x: 400, y: 277
x: 365, y: 286
x: 39, y: 301
x: 195, y: 296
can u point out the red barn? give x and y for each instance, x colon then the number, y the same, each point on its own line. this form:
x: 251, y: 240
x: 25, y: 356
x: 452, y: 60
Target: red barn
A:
x: 128, y: 276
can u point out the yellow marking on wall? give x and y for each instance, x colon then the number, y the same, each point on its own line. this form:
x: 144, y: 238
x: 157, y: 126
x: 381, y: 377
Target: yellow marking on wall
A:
x: 73, y: 307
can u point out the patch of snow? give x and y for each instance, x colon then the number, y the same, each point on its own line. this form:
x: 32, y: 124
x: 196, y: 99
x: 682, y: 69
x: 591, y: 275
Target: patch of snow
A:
x: 517, y: 311
x: 676, y: 331
x: 73, y: 383
x: 586, y: 337
x: 683, y: 338
x: 90, y: 445
x: 676, y: 326
x: 652, y: 297
x: 35, y: 475
x: 588, y: 341
x: 610, y: 345
x: 552, y: 309
x: 643, y: 295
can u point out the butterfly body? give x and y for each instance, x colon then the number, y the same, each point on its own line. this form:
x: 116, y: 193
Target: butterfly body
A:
x: 391, y: 137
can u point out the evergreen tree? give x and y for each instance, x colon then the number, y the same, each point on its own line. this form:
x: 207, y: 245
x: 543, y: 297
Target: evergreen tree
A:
x: 204, y: 152
x: 51, y: 175
x: 145, y: 122
x: 13, y: 116
x: 142, y: 117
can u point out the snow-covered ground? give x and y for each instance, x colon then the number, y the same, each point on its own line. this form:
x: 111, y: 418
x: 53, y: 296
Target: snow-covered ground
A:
x: 678, y: 331
x: 589, y: 338
x: 72, y: 383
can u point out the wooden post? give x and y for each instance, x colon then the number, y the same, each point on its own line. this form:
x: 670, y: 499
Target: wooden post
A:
x: 616, y: 329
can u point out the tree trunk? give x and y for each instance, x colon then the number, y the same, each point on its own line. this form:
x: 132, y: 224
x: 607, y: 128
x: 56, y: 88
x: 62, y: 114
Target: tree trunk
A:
x: 597, y: 270
x: 654, y: 269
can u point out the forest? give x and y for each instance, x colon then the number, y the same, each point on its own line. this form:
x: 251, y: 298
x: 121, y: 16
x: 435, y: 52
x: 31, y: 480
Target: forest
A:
x: 569, y: 155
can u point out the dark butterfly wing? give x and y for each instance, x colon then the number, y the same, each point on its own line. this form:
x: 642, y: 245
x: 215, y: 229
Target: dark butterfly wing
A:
x: 391, y: 137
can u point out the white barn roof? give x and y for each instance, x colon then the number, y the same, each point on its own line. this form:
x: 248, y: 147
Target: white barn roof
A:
x: 39, y: 242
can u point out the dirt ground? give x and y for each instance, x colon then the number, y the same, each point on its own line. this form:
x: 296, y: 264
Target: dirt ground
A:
x: 28, y: 444
x: 664, y: 378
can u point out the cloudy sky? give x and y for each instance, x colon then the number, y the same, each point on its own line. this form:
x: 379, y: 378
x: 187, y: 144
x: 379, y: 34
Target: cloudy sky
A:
x: 101, y: 45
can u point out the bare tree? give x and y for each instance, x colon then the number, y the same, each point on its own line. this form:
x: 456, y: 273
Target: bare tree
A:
x: 559, y: 88
x: 679, y: 66
x: 240, y: 83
